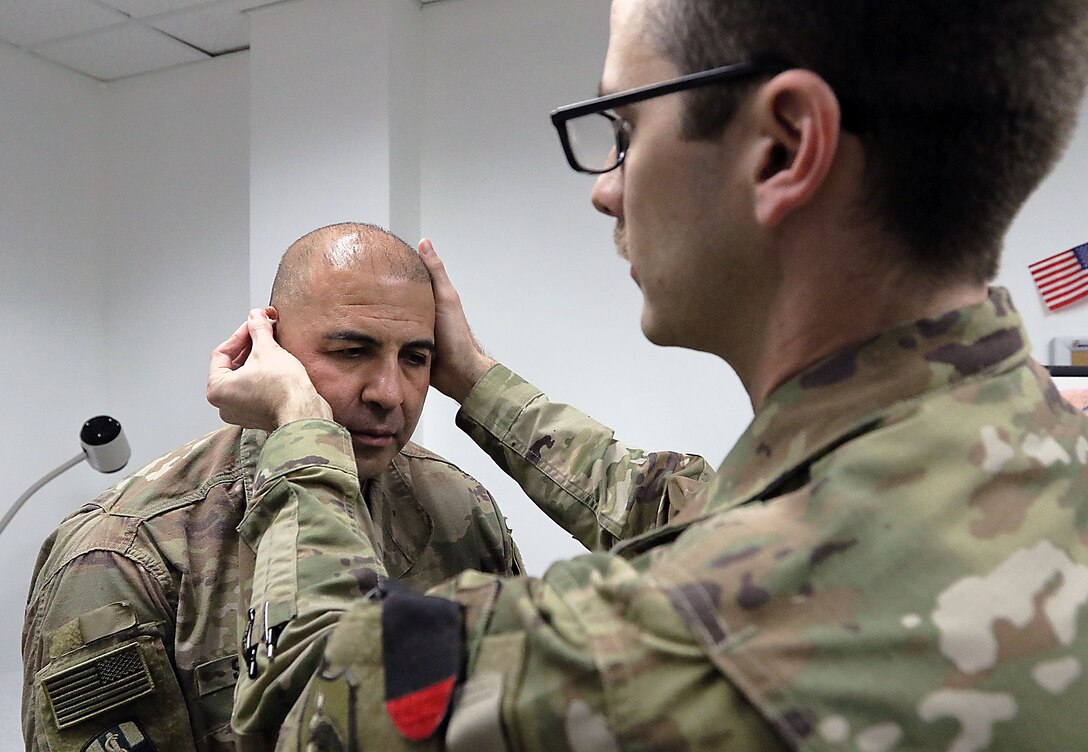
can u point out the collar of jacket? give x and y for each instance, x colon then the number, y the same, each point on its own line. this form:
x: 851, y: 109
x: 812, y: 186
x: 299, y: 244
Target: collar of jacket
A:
x: 851, y: 391
x: 847, y: 394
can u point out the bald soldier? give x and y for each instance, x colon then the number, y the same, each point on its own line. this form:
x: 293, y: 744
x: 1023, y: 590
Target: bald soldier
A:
x: 133, y: 625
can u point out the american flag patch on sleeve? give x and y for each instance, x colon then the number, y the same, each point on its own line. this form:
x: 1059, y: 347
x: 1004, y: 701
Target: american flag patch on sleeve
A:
x: 104, y: 682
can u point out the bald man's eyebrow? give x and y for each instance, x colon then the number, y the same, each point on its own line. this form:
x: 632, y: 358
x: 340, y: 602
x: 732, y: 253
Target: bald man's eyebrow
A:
x: 420, y: 344
x: 354, y: 336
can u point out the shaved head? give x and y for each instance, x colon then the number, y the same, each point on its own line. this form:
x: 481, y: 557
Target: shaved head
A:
x: 346, y: 246
x: 355, y: 306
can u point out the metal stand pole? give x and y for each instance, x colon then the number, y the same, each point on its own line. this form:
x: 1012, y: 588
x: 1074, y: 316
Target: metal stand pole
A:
x: 30, y: 491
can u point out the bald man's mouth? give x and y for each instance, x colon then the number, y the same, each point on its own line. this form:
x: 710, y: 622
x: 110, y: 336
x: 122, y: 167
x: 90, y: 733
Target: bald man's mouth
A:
x: 373, y: 438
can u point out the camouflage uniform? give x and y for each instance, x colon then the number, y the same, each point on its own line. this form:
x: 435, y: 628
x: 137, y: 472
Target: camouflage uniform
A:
x: 144, y: 582
x: 894, y: 556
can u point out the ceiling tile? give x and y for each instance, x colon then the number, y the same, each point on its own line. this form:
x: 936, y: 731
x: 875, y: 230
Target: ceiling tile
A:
x: 28, y: 22
x: 146, y: 8
x: 216, y: 28
x: 121, y: 51
x: 143, y: 8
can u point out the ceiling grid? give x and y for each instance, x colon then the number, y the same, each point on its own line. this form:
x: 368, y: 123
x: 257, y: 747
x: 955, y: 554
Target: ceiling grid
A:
x: 112, y: 39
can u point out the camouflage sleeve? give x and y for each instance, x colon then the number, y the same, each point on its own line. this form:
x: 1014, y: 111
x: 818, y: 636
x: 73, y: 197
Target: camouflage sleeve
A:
x: 596, y: 655
x: 314, y: 558
x: 597, y: 488
x: 94, y: 659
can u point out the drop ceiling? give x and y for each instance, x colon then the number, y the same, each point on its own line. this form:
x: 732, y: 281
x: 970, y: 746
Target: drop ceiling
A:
x: 112, y: 39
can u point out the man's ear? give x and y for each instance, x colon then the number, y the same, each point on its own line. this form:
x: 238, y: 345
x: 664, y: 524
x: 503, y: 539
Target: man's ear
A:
x: 797, y: 115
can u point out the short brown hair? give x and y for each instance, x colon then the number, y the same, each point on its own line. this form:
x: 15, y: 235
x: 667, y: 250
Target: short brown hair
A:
x: 963, y: 106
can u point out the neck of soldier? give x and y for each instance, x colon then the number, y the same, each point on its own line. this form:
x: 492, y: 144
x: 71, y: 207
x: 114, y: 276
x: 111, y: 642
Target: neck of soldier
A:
x: 836, y: 287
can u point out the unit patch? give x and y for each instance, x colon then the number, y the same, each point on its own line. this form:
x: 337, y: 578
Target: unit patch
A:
x: 124, y: 737
x: 421, y: 646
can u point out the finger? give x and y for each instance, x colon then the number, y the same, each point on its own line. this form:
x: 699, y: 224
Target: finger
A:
x: 227, y: 354
x: 241, y: 358
x: 445, y: 294
x: 260, y: 327
x: 433, y: 263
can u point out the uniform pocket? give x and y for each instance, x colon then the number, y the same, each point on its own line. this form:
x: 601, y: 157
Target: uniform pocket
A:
x: 217, y: 674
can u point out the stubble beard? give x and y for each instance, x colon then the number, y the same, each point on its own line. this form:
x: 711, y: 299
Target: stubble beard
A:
x: 619, y: 237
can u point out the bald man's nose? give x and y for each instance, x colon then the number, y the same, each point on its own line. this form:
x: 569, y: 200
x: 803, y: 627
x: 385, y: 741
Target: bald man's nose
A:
x: 385, y: 387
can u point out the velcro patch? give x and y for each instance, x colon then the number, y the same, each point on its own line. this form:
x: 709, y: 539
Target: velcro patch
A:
x: 102, y: 683
x: 421, y: 650
x: 124, y: 737
x: 417, y: 714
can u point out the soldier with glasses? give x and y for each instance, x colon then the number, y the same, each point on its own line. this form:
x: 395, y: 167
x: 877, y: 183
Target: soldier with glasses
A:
x: 894, y: 556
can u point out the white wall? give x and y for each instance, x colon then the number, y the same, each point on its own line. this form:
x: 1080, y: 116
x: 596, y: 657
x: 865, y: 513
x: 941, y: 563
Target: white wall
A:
x: 124, y: 238
x: 127, y: 242
x: 1054, y: 219
x: 333, y: 136
x: 532, y: 260
x: 52, y: 303
x: 176, y: 146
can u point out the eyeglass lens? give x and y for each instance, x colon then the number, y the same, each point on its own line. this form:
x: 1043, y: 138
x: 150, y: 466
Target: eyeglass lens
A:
x: 594, y: 139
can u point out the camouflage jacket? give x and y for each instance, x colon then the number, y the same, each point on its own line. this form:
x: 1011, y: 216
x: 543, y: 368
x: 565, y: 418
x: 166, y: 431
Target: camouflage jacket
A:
x: 894, y: 556
x: 145, y: 581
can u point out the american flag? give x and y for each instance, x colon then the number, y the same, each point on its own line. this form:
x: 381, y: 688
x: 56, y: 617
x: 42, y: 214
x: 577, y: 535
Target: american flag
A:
x: 1062, y: 278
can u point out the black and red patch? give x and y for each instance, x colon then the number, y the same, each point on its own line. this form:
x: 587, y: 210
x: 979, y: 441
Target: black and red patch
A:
x: 421, y: 646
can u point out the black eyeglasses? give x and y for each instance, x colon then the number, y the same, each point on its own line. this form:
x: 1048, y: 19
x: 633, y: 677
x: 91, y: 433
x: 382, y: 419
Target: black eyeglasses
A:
x: 595, y: 140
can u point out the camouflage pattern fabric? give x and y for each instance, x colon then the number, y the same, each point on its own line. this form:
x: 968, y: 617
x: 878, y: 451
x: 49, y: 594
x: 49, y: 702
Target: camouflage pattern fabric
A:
x: 894, y: 557
x: 155, y: 565
x: 595, y: 487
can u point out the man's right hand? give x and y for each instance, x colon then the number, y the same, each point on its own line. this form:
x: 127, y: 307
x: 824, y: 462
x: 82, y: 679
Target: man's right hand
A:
x: 255, y: 383
x: 459, y: 361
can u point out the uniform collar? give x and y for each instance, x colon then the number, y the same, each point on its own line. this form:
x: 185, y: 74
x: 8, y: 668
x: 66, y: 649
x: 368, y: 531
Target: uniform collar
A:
x: 852, y: 390
x: 406, y: 528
